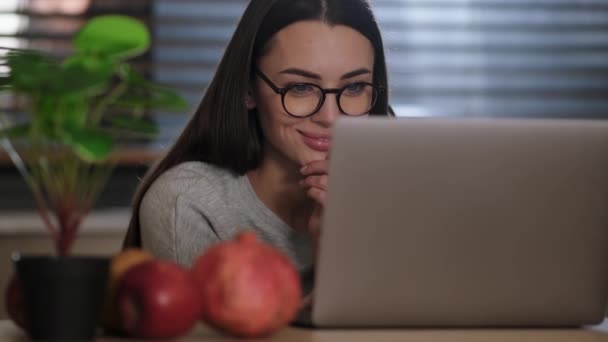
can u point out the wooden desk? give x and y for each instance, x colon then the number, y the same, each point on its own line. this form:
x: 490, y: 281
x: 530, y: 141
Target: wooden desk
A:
x: 10, y: 333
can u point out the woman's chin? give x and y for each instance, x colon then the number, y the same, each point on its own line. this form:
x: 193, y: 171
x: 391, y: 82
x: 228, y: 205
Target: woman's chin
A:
x: 313, y: 156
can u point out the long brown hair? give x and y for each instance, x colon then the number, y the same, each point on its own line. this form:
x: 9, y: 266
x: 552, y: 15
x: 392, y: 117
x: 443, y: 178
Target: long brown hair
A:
x: 222, y: 131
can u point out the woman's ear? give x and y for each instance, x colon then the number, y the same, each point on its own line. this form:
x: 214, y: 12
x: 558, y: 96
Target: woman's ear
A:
x: 250, y: 101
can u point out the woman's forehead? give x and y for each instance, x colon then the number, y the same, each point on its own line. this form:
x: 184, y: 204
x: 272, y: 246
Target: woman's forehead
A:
x: 318, y: 47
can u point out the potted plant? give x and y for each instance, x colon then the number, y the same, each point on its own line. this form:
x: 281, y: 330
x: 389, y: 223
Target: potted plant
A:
x: 78, y: 110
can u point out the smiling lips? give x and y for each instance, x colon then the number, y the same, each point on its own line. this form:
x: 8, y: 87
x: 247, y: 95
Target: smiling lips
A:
x: 316, y: 141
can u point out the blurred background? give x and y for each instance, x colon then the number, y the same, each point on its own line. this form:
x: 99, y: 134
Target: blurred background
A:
x: 491, y: 58
x: 524, y: 58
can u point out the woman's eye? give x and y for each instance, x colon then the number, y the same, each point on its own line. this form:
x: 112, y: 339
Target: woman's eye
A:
x: 354, y: 88
x: 302, y: 89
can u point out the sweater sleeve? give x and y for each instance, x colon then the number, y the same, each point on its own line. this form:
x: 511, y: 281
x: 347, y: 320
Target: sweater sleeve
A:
x: 174, y: 226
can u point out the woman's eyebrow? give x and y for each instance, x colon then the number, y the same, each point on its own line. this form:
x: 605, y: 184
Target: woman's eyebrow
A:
x: 308, y: 74
x: 356, y: 73
x: 300, y: 72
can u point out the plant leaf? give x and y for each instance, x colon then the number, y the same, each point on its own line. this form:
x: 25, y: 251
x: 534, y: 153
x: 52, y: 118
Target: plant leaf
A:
x: 43, y: 116
x: 15, y: 132
x: 143, y: 93
x: 116, y: 36
x: 134, y: 125
x: 92, y: 63
x: 153, y: 96
x: 72, y: 113
x: 167, y: 98
x: 130, y: 75
x: 87, y: 75
x: 31, y: 70
x: 91, y: 145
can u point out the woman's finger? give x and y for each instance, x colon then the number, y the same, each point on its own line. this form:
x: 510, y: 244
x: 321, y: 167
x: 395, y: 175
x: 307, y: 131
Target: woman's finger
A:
x: 315, y: 167
x: 319, y: 182
x: 317, y: 194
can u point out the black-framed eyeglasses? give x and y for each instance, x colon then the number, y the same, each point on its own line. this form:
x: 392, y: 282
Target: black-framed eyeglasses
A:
x: 305, y: 99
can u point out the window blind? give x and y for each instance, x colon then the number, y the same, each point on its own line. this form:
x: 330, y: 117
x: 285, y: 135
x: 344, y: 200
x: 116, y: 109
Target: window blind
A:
x: 525, y: 58
x: 50, y: 26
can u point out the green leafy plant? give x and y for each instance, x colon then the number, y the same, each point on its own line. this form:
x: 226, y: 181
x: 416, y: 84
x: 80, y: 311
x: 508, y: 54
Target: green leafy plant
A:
x: 78, y: 110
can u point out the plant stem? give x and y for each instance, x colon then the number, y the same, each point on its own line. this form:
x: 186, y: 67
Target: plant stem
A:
x: 70, y: 216
x: 33, y: 185
x: 112, y: 96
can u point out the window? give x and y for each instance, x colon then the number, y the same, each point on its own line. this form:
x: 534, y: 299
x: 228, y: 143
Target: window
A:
x: 525, y: 58
x: 50, y: 25
x: 190, y: 38
x: 528, y: 58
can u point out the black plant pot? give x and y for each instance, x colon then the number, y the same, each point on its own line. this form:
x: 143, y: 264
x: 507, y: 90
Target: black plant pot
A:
x: 63, y: 295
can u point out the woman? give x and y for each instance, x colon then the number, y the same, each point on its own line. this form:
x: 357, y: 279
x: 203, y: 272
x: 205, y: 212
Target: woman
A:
x: 254, y: 155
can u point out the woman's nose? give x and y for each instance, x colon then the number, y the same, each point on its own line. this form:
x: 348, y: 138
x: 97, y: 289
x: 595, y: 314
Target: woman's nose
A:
x: 329, y: 111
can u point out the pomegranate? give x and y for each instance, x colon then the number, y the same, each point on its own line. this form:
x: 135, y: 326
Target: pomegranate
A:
x: 248, y: 289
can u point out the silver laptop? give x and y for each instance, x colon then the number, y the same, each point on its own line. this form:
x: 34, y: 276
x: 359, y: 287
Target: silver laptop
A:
x: 464, y: 223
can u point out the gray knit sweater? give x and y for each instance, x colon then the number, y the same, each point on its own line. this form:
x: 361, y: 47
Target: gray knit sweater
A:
x: 194, y: 205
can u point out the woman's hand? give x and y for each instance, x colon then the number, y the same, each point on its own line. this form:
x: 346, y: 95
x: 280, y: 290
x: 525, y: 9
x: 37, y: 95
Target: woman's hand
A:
x: 315, y: 183
x: 315, y: 180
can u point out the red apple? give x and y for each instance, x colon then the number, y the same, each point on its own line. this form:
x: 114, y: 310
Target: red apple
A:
x: 248, y: 289
x: 158, y: 299
x: 13, y: 298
